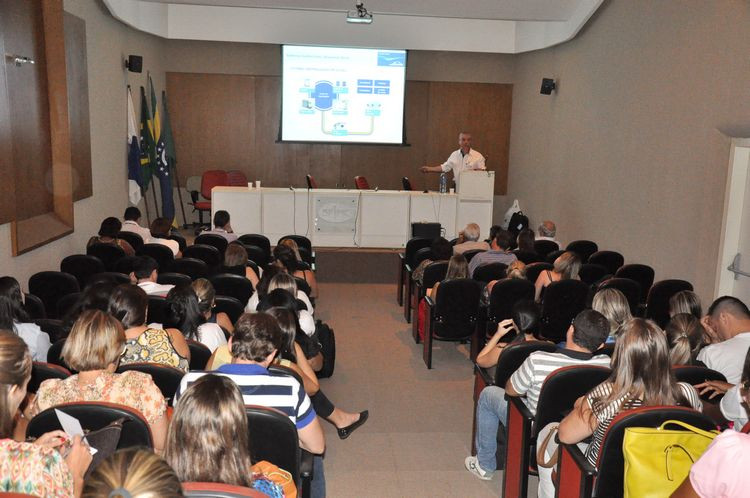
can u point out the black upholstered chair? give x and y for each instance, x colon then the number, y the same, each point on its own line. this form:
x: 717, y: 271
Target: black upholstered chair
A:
x: 591, y: 273
x: 199, y: 355
x: 584, y: 249
x: 126, y: 264
x: 132, y: 238
x: 563, y: 300
x: 192, y: 267
x: 406, y: 265
x: 237, y: 286
x: 181, y: 242
x: 161, y: 253
x: 208, y: 254
x: 157, y: 309
x: 657, y: 302
x: 504, y: 295
x: 528, y: 257
x: 50, y: 286
x: 108, y: 254
x: 33, y: 306
x: 452, y: 315
x: 419, y: 256
x: 544, y: 247
x: 166, y: 378
x: 433, y: 273
x: 53, y: 327
x: 42, y: 371
x: 258, y: 240
x: 114, y: 277
x: 171, y: 278
x: 67, y: 303
x: 301, y: 241
x: 81, y: 266
x: 257, y: 255
x: 306, y: 256
x: 629, y: 288
x: 54, y: 355
x: 643, y: 274
x: 552, y: 256
x: 489, y: 272
x: 534, y: 269
x: 694, y: 374
x: 229, y: 305
x: 611, y: 260
x: 471, y: 253
x: 213, y: 240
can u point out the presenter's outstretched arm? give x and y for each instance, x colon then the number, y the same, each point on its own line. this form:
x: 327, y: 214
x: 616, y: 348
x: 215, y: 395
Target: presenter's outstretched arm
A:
x: 431, y: 169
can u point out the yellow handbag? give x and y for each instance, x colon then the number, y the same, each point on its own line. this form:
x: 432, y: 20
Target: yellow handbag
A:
x: 658, y: 460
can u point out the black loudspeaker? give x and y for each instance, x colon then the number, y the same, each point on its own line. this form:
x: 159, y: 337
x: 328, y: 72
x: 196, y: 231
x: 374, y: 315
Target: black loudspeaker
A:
x: 134, y: 63
x: 548, y: 84
x: 427, y: 230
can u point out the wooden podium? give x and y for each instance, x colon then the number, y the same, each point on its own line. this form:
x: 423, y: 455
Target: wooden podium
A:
x: 475, y: 200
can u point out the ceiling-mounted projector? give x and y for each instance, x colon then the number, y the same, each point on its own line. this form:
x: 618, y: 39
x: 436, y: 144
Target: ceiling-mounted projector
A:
x: 360, y: 15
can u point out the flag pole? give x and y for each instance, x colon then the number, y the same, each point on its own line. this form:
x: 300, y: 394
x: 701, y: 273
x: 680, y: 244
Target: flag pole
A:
x: 153, y: 191
x: 145, y: 200
x: 179, y: 195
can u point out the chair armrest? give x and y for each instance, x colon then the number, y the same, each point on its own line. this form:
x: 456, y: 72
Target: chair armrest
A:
x: 408, y: 268
x: 429, y: 302
x: 519, y: 405
x: 517, y: 447
x: 484, y: 374
x: 575, y: 475
x: 305, y: 474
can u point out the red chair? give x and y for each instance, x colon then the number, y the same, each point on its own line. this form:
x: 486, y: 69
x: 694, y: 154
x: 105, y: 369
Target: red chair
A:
x: 311, y: 183
x: 235, y: 178
x: 361, y: 183
x: 209, y: 180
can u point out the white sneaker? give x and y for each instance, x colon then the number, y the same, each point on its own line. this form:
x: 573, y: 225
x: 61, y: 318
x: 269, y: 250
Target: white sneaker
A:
x: 472, y: 465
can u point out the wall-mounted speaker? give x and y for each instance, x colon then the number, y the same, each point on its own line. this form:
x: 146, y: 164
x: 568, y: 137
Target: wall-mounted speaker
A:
x: 548, y: 84
x: 134, y: 63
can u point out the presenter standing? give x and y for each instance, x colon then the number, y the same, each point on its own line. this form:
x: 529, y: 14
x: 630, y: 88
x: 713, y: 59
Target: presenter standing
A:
x: 463, y: 159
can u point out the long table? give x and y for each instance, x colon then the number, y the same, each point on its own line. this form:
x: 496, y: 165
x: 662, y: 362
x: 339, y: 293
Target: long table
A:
x: 344, y: 217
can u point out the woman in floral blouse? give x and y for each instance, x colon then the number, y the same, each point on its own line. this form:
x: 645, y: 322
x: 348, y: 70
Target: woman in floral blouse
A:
x: 38, y: 468
x: 93, y: 348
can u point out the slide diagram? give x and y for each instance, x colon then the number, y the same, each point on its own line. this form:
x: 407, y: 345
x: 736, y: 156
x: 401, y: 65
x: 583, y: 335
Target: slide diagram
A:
x: 331, y: 100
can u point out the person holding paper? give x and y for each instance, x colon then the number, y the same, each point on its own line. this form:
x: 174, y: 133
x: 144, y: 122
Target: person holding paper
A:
x: 463, y: 159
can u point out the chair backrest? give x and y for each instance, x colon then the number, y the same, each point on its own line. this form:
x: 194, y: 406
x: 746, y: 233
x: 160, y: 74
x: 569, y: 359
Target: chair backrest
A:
x: 42, y: 371
x: 657, y: 302
x: 236, y: 178
x: 273, y: 437
x: 94, y: 415
x: 643, y: 274
x: 629, y: 288
x: 114, y: 277
x: 489, y: 272
x: 229, y: 305
x: 513, y: 357
x: 412, y: 246
x: 505, y: 294
x: 611, y: 260
x: 126, y: 264
x: 433, y: 273
x: 534, y: 269
x: 457, y: 308
x: 132, y: 238
x: 214, y: 240
x: 109, y: 254
x: 199, y: 355
x: 301, y: 241
x: 213, y: 178
x: 33, y: 306
x: 192, y: 267
x: 50, y: 286
x: 610, y: 464
x: 208, y: 254
x: 305, y: 254
x: 552, y: 256
x: 236, y: 286
x: 584, y: 249
x: 53, y: 327
x: 406, y: 184
x: 161, y: 253
x: 471, y: 253
x: 81, y: 266
x: 527, y: 257
x: 256, y: 239
x: 67, y: 303
x: 179, y: 239
x: 170, y: 278
x: 257, y: 255
x: 563, y: 300
x: 218, y: 490
x: 54, y: 355
x: 693, y: 374
x: 592, y: 273
x: 361, y: 183
x: 311, y: 183
x: 166, y: 378
x: 544, y: 247
x: 157, y: 309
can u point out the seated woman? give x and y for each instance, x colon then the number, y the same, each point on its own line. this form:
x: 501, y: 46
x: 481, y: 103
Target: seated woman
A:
x: 288, y: 283
x: 685, y: 302
x: 525, y: 240
x: 184, y: 312
x: 285, y: 257
x: 33, y: 468
x: 219, y: 451
x: 280, y: 297
x: 142, y: 343
x: 440, y: 250
x: 517, y: 269
x: 262, y: 289
x: 93, y: 348
x: 108, y: 231
x: 614, y: 305
x: 235, y: 261
x: 160, y: 231
x: 133, y: 472
x: 14, y: 318
x: 524, y: 321
x: 565, y: 267
x: 686, y: 336
x: 206, y: 294
x: 457, y: 268
x: 94, y: 297
x: 641, y: 376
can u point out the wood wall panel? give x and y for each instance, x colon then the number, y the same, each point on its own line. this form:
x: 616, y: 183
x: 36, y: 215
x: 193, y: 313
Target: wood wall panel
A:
x: 435, y: 112
x: 8, y: 197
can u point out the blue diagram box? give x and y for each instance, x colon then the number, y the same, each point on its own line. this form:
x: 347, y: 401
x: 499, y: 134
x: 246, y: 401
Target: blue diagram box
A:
x: 382, y: 91
x: 339, y: 133
x: 382, y: 82
x: 364, y: 82
x: 396, y: 59
x: 372, y: 112
x: 364, y: 90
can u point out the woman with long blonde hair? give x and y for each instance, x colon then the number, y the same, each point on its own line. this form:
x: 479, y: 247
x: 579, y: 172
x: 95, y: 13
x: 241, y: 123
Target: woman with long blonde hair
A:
x: 615, y: 307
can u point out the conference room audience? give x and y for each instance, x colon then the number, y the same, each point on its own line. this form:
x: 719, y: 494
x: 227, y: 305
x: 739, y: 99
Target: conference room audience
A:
x: 565, y: 267
x: 33, y: 468
x: 15, y: 319
x: 222, y: 226
x: 218, y: 451
x: 206, y: 294
x: 468, y: 239
x: 142, y: 343
x: 145, y: 274
x: 160, y: 231
x: 686, y: 302
x: 108, y: 231
x: 547, y: 231
x: 641, y: 376
x: 93, y: 349
x: 686, y: 336
x: 184, y: 312
x: 132, y: 223
x: 525, y: 240
x: 615, y: 307
x: 133, y: 473
x: 235, y: 261
x: 440, y: 250
x: 728, y: 322
x: 523, y: 325
x: 284, y: 257
x: 499, y: 252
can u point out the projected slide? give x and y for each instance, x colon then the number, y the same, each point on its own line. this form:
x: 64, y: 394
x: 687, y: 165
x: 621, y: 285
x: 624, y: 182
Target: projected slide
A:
x: 342, y: 94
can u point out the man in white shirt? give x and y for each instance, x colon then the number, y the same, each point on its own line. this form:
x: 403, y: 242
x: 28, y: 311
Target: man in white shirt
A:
x: 145, y: 274
x: 222, y: 226
x: 463, y: 159
x: 728, y: 319
x: 131, y: 223
x: 547, y: 231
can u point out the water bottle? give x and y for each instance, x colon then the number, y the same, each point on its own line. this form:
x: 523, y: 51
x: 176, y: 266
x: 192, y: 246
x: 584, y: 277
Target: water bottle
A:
x: 443, y: 183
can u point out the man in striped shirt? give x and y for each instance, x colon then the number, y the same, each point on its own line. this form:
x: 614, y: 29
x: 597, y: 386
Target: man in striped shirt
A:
x: 586, y: 334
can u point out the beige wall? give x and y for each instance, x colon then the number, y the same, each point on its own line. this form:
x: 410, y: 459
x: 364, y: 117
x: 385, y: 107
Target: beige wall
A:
x: 628, y: 152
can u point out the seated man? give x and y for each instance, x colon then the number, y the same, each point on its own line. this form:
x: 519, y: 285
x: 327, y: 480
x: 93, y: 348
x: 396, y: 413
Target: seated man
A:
x: 145, y: 274
x: 222, y: 226
x: 547, y: 231
x: 586, y: 334
x: 469, y: 239
x: 727, y: 319
x: 131, y: 223
x: 499, y: 252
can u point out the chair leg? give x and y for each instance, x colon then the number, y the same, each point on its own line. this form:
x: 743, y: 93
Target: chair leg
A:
x: 400, y: 285
x: 415, y: 318
x: 427, y: 345
x: 474, y: 347
x: 407, y: 299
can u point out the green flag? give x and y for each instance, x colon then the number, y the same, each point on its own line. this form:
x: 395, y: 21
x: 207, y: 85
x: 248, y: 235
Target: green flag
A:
x: 166, y: 134
x: 148, y: 147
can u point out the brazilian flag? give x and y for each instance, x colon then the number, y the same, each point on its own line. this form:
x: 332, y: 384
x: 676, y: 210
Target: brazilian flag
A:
x: 148, y: 147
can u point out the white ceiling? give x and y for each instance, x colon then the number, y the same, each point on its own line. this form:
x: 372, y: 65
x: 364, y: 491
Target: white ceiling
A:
x: 509, y: 10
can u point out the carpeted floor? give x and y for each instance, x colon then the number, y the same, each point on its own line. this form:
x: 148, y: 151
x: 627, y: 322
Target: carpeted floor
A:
x: 419, y: 430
